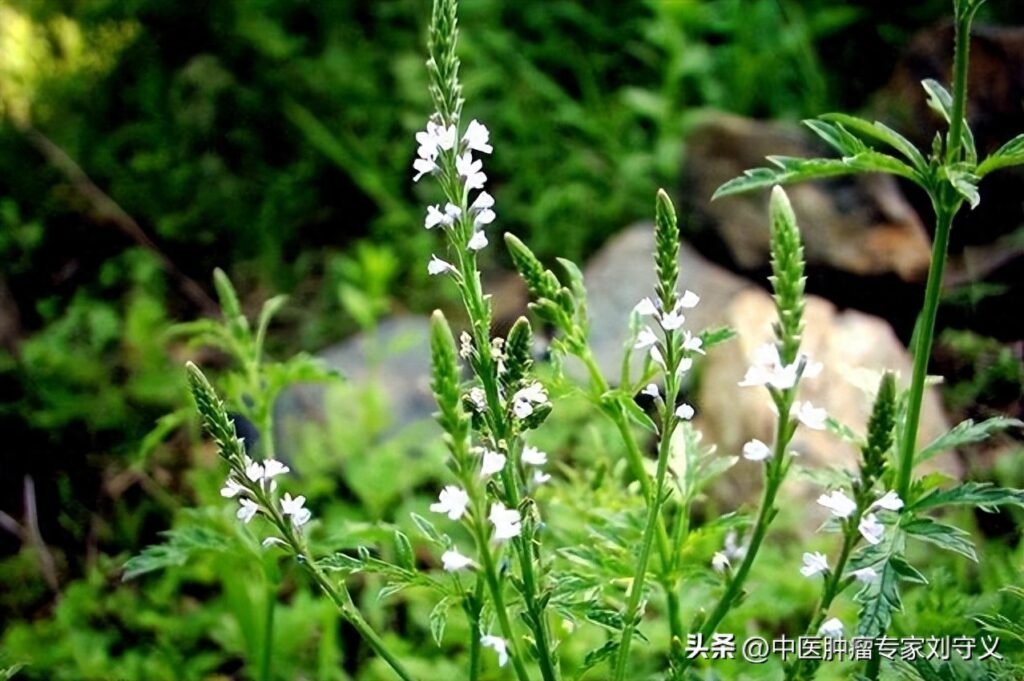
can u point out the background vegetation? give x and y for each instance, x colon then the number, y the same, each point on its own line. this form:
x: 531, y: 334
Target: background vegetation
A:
x: 144, y: 143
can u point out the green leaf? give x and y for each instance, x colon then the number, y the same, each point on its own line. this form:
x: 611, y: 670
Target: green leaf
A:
x: 967, y: 432
x: 403, y: 551
x: 598, y: 655
x: 429, y: 531
x: 439, y: 619
x: 788, y: 171
x: 966, y: 184
x: 267, y: 313
x: 944, y: 536
x: 984, y: 495
x: 181, y: 544
x: 939, y: 98
x: 301, y: 368
x: 631, y: 409
x: 716, y: 336
x: 1010, y: 154
x: 879, y: 132
x: 836, y: 136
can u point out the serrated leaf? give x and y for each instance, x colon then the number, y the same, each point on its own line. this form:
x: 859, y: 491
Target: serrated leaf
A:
x: 439, y: 619
x: 181, y: 544
x: 792, y: 170
x: 882, y: 133
x: 942, y: 535
x: 1010, y: 154
x: 877, y: 162
x: 984, y: 495
x: 711, y: 337
x: 632, y: 410
x: 595, y: 657
x: 967, y: 432
x: 836, y: 136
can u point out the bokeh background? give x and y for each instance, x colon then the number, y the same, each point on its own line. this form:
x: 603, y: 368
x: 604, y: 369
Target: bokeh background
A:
x: 144, y: 143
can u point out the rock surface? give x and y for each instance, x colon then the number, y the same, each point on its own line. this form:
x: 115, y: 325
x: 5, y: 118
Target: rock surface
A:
x: 861, y: 225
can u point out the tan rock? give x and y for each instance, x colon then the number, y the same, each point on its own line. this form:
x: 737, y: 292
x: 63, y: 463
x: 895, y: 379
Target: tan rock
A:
x: 854, y: 349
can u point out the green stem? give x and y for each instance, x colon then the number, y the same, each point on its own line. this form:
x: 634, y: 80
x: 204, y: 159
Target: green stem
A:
x: 834, y: 585
x: 635, y: 459
x: 922, y: 351
x: 775, y: 474
x: 961, y: 62
x: 268, y: 630
x: 476, y: 308
x: 475, y: 632
x: 653, y: 516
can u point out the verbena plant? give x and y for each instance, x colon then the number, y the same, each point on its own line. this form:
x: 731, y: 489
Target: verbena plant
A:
x: 502, y: 568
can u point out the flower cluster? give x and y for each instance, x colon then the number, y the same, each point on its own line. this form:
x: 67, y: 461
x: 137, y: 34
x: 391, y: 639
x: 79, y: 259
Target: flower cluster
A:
x: 261, y: 475
x: 441, y: 152
x: 672, y: 320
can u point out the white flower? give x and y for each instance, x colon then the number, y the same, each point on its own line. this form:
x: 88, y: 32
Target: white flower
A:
x: 246, y: 510
x: 657, y: 357
x: 651, y: 390
x: 812, y: 369
x: 465, y: 346
x: 720, y: 562
x: 841, y: 505
x: 646, y: 308
x: 478, y: 398
x: 524, y: 399
x: 437, y: 266
x: 499, y: 646
x: 833, y: 628
x: 814, y: 563
x: 273, y: 468
x: 482, y: 202
x: 871, y: 529
x: 733, y: 550
x: 470, y: 170
x: 689, y: 300
x: 890, y: 501
x: 445, y: 136
x: 684, y: 411
x: 484, y: 217
x: 506, y: 521
x: 452, y: 500
x: 692, y: 343
x: 477, y: 242
x: 454, y: 561
x: 477, y: 137
x: 534, y: 456
x: 767, y: 369
x: 645, y: 339
x: 293, y: 507
x: 231, y: 488
x: 423, y: 166
x: 434, y: 217
x: 540, y: 477
x: 671, y: 321
x: 811, y: 416
x: 253, y: 470
x: 865, y: 575
x: 755, y: 450
x: 492, y: 462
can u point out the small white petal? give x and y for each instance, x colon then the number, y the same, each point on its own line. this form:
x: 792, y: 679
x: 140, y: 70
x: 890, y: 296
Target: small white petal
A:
x: 646, y: 308
x: 871, y: 529
x: 833, y: 628
x: 272, y: 541
x: 454, y: 561
x: 841, y: 505
x: 477, y: 242
x: 720, y: 562
x: 755, y: 450
x: 651, y: 390
x: 672, y: 321
x: 645, y: 339
x: 492, y: 462
x: 540, y: 477
x: 434, y: 217
x: 693, y: 343
x: 534, y: 457
x: 231, y: 489
x: 452, y: 501
x: 422, y: 167
x: 506, y: 522
x: 484, y: 217
x: 477, y: 137
x: 890, y: 501
x: 811, y: 416
x: 689, y: 300
x: 437, y: 266
x: 522, y: 409
x: 483, y: 202
x: 499, y: 646
x: 273, y: 468
x: 684, y: 411
x: 814, y: 563
x: 246, y: 510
